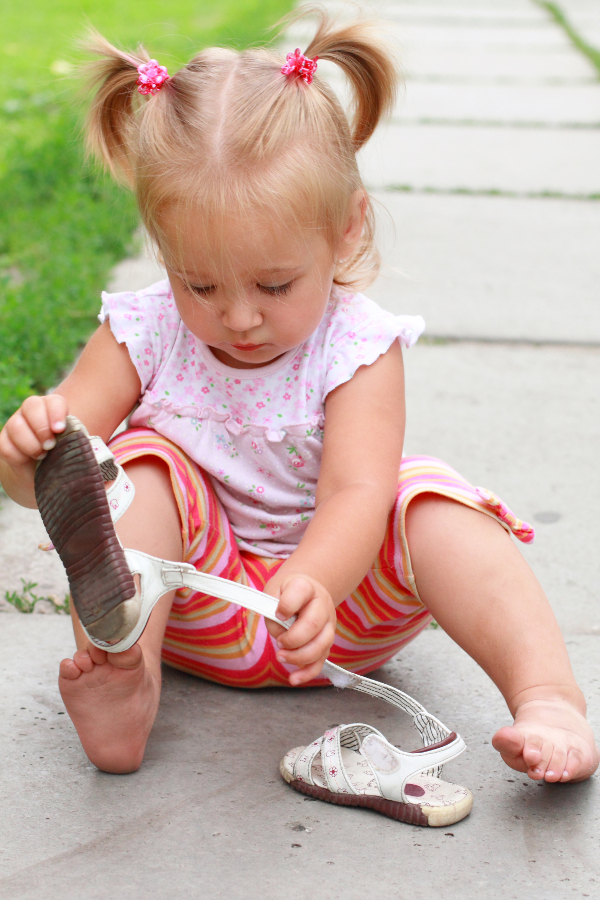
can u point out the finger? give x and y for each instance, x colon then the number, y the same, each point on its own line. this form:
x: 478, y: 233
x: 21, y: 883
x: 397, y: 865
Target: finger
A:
x: 9, y: 451
x: 294, y: 594
x: 315, y: 649
x: 302, y: 676
x: 312, y: 619
x: 23, y: 436
x: 37, y: 412
x: 19, y: 443
x: 57, y: 412
x: 274, y: 628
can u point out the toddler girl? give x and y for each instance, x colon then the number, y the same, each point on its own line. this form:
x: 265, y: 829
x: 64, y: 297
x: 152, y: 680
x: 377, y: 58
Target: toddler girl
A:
x: 265, y: 444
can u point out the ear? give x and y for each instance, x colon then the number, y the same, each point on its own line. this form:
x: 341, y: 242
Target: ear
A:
x: 354, y: 225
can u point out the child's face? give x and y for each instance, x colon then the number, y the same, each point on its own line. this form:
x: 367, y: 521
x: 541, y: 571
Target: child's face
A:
x: 257, y: 292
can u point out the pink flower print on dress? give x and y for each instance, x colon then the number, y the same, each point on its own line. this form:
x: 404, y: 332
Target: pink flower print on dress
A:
x: 287, y: 397
x: 260, y: 405
x: 180, y: 377
x: 205, y: 390
x: 297, y: 463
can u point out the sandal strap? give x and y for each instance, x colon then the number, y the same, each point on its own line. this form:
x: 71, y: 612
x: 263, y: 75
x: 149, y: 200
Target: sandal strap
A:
x: 394, y: 767
x: 122, y: 491
x: 185, y: 575
x: 304, y: 761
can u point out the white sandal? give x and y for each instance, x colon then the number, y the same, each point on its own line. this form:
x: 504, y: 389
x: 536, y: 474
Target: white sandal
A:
x: 351, y: 765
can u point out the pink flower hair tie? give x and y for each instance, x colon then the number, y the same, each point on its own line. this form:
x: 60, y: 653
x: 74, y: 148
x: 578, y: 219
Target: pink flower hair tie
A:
x: 152, y: 77
x: 297, y: 63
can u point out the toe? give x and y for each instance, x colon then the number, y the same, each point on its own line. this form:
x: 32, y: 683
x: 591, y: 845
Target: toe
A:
x: 508, y: 741
x: 128, y: 659
x: 69, y: 670
x: 97, y: 655
x: 537, y: 754
x: 83, y: 660
x: 556, y: 765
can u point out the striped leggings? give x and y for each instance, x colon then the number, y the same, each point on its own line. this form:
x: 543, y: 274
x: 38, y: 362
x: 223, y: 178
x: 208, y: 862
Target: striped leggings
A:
x: 224, y: 643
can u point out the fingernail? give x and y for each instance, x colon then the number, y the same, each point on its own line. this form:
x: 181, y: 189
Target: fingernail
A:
x: 49, y: 444
x: 280, y: 645
x: 41, y: 456
x: 59, y: 426
x: 280, y: 616
x: 281, y: 657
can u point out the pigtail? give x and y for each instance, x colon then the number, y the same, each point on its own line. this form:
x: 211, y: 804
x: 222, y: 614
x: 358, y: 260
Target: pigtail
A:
x: 113, y: 79
x: 369, y: 65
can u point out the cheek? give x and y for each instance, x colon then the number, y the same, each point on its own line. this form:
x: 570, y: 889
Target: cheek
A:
x: 195, y: 315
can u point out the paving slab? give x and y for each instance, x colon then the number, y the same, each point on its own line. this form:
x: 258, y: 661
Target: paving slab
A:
x: 517, y: 64
x: 548, y: 105
x: 525, y: 423
x: 491, y: 267
x: 521, y: 160
x: 21, y: 533
x: 208, y: 814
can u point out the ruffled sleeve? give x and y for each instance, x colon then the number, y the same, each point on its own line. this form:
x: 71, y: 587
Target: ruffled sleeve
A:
x: 359, y: 333
x: 147, y: 322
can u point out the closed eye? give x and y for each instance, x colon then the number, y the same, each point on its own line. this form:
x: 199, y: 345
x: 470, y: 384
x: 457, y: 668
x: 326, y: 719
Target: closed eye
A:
x: 276, y: 290
x: 202, y: 290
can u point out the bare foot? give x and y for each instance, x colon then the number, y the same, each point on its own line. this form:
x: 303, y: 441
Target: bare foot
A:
x: 112, y: 699
x: 550, y: 740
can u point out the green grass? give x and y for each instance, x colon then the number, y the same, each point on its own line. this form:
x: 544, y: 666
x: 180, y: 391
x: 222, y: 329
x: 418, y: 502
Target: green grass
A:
x: 592, y: 53
x: 24, y: 600
x: 63, y: 225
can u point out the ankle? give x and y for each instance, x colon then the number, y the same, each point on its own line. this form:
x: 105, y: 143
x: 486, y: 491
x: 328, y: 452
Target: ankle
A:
x: 569, y: 694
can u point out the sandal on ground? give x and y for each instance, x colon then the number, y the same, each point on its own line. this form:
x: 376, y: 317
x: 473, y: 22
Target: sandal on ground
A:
x: 354, y: 765
x: 351, y: 765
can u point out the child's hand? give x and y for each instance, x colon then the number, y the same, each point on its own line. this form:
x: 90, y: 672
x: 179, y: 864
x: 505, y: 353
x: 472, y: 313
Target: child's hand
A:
x: 29, y: 433
x: 308, y: 641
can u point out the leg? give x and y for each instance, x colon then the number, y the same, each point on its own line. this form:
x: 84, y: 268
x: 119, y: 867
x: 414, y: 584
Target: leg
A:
x: 113, y: 698
x: 477, y: 585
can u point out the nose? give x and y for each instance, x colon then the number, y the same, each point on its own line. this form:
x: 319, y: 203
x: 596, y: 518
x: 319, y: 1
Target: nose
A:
x: 240, y: 315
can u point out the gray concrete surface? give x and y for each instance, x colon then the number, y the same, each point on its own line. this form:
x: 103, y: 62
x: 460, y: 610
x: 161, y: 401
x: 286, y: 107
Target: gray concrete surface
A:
x: 514, y: 407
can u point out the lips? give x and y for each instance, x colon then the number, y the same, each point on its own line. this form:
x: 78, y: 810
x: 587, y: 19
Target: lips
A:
x: 247, y: 347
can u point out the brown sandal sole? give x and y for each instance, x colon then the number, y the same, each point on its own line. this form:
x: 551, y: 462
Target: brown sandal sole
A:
x: 71, y: 497
x: 411, y: 813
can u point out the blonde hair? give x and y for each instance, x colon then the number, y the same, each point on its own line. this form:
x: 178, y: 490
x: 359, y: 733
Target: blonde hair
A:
x: 229, y: 132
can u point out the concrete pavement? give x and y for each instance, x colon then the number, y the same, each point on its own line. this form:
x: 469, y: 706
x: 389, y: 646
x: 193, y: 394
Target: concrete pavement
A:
x: 501, y: 107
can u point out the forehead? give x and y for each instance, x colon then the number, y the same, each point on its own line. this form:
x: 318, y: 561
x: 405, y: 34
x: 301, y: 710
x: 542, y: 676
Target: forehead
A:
x: 256, y: 243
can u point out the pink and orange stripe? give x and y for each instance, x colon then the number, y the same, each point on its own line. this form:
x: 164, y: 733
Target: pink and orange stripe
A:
x: 224, y: 643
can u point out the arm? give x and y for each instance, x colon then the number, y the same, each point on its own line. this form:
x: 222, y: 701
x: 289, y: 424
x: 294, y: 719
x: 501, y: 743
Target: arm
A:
x: 356, y: 491
x: 101, y: 391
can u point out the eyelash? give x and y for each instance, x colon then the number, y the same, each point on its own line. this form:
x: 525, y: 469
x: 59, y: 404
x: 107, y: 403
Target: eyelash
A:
x: 279, y: 290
